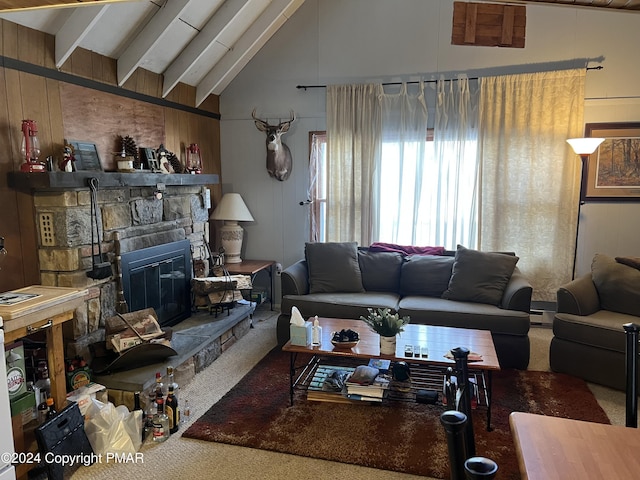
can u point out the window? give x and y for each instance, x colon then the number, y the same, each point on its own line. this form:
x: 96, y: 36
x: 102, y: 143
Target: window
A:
x: 317, y: 186
x: 415, y: 198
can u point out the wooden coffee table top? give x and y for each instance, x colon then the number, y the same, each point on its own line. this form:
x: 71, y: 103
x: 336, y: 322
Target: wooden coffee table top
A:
x: 438, y: 341
x: 552, y: 448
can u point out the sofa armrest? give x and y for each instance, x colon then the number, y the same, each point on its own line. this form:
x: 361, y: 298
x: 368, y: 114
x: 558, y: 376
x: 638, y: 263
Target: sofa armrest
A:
x: 578, y: 297
x: 294, y: 279
x: 517, y: 294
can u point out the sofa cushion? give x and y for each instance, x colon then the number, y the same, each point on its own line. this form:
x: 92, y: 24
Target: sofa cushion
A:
x: 380, y: 270
x: 618, y: 285
x: 602, y: 329
x: 339, y: 305
x: 333, y: 267
x: 426, y: 275
x: 481, y: 316
x: 479, y: 277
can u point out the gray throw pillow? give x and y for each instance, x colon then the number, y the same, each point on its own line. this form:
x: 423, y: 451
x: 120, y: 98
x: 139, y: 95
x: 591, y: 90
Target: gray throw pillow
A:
x: 380, y: 270
x: 618, y: 285
x: 480, y: 277
x: 333, y: 267
x: 426, y: 275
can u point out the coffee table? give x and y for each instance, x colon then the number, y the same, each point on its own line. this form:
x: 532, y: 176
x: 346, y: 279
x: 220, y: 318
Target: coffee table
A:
x: 429, y: 369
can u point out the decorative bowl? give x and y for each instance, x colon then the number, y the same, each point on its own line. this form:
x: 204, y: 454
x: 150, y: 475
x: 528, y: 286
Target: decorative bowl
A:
x: 344, y: 344
x: 345, y: 339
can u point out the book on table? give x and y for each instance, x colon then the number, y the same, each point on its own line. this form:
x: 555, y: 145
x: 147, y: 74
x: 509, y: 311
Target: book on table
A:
x: 325, y: 384
x: 376, y: 389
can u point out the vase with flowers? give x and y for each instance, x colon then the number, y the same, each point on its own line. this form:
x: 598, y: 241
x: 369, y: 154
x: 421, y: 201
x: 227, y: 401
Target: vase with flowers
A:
x: 387, y: 324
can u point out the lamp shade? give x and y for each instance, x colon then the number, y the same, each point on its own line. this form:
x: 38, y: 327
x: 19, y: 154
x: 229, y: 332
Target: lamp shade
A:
x: 584, y: 146
x: 232, y: 208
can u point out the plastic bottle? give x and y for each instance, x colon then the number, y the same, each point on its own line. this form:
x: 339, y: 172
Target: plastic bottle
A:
x: 317, y: 333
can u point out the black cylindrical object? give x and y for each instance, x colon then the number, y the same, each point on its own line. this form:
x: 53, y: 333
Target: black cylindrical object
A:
x: 454, y: 423
x: 631, y: 330
x: 461, y: 356
x: 480, y: 468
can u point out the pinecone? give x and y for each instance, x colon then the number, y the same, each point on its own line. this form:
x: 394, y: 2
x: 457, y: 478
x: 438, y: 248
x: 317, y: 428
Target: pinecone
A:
x: 131, y: 149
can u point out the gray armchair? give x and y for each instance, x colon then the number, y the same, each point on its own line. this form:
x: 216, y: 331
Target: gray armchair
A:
x: 588, y: 337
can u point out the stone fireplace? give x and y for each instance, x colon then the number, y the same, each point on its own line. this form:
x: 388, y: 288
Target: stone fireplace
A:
x: 138, y: 212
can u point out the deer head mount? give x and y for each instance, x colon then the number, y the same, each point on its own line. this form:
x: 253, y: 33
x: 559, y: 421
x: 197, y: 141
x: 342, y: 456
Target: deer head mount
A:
x: 279, y: 161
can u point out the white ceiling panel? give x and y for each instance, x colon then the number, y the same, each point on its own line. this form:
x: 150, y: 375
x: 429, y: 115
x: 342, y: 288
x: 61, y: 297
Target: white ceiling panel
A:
x: 118, y: 28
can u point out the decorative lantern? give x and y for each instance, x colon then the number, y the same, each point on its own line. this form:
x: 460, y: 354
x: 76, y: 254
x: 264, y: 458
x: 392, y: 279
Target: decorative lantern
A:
x: 30, y: 148
x: 194, y: 160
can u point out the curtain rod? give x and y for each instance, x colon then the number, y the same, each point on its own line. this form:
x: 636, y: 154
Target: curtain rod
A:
x: 305, y: 87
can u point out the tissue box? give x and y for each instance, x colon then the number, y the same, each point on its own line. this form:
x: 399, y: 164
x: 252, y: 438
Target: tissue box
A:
x: 301, y: 335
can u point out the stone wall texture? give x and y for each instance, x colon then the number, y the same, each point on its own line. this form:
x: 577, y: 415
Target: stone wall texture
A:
x: 128, y: 218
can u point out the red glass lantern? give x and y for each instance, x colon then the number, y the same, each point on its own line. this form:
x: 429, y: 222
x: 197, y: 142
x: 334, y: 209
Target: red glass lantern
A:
x: 30, y: 148
x: 194, y: 160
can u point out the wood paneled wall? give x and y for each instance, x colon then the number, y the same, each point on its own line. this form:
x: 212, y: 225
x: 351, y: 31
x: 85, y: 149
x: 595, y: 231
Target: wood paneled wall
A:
x: 25, y: 95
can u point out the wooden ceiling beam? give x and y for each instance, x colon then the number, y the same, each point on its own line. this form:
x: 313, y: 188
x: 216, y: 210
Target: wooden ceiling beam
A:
x: 249, y: 44
x: 16, y: 5
x: 77, y: 25
x: 211, y: 33
x: 149, y: 37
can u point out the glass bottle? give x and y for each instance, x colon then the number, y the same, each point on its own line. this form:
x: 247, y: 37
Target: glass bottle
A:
x: 160, y: 424
x: 185, y: 416
x: 172, y: 382
x: 136, y: 406
x: 172, y: 410
x: 52, y: 409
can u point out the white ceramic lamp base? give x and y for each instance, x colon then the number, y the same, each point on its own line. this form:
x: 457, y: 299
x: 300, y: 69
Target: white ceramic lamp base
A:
x: 231, y: 235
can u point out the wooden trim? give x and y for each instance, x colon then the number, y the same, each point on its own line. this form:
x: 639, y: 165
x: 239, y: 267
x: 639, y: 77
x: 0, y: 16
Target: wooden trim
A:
x: 33, y: 69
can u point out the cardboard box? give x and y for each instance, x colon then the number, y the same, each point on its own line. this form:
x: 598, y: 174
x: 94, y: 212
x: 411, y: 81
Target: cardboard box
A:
x: 301, y: 335
x: 25, y: 402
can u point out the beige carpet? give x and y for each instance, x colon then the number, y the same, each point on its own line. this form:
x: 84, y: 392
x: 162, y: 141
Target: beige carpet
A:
x: 184, y: 459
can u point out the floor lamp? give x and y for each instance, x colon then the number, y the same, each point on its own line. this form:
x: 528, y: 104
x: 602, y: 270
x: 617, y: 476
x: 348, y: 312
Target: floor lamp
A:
x: 583, y: 147
x: 232, y: 210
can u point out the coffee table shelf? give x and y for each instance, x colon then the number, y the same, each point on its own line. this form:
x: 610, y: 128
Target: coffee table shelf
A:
x: 426, y: 372
x: 423, y: 376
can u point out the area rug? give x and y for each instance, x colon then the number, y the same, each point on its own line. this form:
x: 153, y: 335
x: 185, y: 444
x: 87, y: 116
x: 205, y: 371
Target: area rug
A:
x: 403, y: 437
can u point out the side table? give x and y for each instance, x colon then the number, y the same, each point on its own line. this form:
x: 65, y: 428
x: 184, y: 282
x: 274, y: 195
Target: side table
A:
x: 252, y: 268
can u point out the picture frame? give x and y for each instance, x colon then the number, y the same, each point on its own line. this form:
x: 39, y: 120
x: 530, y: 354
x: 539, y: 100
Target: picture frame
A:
x: 612, y: 172
x: 86, y: 155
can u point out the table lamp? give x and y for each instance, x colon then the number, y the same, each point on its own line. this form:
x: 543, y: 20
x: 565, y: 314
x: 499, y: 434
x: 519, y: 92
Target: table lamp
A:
x: 232, y: 210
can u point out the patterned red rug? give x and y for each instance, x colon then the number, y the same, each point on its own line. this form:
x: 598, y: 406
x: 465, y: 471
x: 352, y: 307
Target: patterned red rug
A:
x: 405, y: 437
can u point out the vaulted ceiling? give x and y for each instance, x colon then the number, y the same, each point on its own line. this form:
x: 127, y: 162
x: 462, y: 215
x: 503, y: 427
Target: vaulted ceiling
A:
x: 203, y: 43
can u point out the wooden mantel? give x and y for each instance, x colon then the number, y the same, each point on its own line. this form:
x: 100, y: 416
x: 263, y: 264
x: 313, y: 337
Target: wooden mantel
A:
x: 76, y: 180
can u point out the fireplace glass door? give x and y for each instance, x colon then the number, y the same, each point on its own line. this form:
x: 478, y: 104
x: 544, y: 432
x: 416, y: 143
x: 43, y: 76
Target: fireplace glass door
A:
x: 159, y: 277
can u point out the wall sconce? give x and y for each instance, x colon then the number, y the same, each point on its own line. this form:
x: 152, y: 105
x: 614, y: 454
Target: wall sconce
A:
x: 232, y: 210
x: 583, y: 147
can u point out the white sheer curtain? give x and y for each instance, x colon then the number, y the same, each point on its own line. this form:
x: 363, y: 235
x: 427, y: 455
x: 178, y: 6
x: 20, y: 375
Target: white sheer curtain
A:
x: 529, y: 177
x: 427, y: 188
x: 400, y: 168
x: 353, y: 138
x: 453, y: 205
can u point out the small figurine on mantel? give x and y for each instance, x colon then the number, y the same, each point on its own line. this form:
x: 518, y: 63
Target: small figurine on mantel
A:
x: 163, y: 159
x: 68, y: 162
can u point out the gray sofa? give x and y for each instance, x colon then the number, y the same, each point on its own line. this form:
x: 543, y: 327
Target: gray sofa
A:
x: 588, y: 338
x: 463, y: 288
